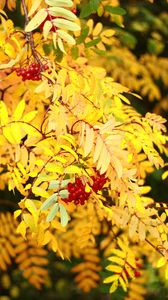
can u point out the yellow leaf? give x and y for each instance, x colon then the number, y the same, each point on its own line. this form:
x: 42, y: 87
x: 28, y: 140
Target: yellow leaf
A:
x: 161, y: 262
x: 142, y: 231
x: 2, y: 4
x: 117, y: 260
x: 119, y: 253
x: 117, y: 166
x: 111, y: 278
x: 98, y: 28
x: 54, y: 168
x: 12, y: 62
x: 102, y: 157
x: 54, y: 244
x: 113, y: 287
x: 17, y: 213
x: 19, y: 111
x: 129, y: 271
x: 165, y: 175
x: 22, y: 229
x: 9, y: 50
x: 124, y: 99
x: 69, y: 138
x: 30, y: 116
x: 89, y: 140
x: 47, y: 238
x: 121, y: 244
x: 60, y: 159
x: 114, y: 268
x: 21, y: 168
x: 133, y: 226
x: 109, y: 32
x: 3, y: 113
x: 166, y: 273
x: 2, y: 140
x: 122, y: 282
x: 35, y: 22
x: 46, y: 28
x: 29, y: 204
x: 38, y: 191
x: 7, y: 134
x: 29, y: 221
x: 98, y: 149
x: 34, y: 7
x: 15, y: 130
x: 72, y: 170
x: 106, y: 164
x: 69, y: 150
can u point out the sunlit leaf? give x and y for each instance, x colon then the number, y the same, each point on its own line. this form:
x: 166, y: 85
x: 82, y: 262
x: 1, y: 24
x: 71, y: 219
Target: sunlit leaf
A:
x: 64, y: 215
x: 35, y: 22
x: 52, y: 212
x: 66, y: 24
x: 62, y: 12
x: 34, y: 7
x: 72, y: 170
x: 19, y: 111
x: 47, y: 203
x: 64, y: 3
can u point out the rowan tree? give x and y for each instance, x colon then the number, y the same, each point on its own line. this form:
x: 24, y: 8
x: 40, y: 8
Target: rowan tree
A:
x: 75, y: 150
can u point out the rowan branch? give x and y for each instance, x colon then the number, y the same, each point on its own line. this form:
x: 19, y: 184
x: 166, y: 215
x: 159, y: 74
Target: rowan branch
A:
x: 29, y: 35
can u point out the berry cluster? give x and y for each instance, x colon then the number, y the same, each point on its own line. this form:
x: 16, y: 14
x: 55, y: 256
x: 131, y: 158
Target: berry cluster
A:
x: 31, y: 72
x: 98, y: 182
x: 77, y: 192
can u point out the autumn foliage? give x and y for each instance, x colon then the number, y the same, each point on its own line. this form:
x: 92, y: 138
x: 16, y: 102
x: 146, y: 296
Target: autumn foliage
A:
x: 76, y: 150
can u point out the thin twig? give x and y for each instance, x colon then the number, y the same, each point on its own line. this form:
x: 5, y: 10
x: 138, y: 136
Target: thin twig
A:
x: 153, y: 246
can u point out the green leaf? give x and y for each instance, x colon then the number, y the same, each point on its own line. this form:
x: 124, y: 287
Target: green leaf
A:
x: 66, y: 24
x: 89, y: 8
x: 83, y: 35
x: 95, y: 4
x: 65, y: 3
x: 35, y: 22
x: 100, y: 52
x: 47, y: 48
x: 127, y: 38
x: 52, y: 212
x: 154, y: 46
x: 66, y: 37
x: 48, y: 202
x: 64, y: 215
x: 55, y: 184
x: 115, y: 10
x: 59, y: 54
x: 62, y: 12
x: 75, y: 52
x: 93, y: 43
x: 64, y: 194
